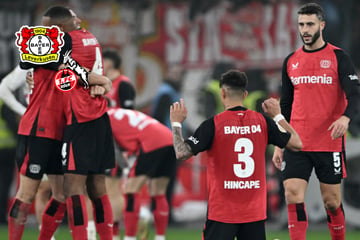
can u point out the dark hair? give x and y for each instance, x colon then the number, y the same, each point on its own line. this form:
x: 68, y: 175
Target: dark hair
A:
x: 114, y: 56
x: 312, y: 8
x: 234, y: 79
x: 58, y: 12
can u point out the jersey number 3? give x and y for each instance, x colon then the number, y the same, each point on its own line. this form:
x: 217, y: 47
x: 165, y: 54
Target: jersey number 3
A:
x: 246, y: 166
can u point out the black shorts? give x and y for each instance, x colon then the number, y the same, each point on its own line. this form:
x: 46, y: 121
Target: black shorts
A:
x: 329, y: 166
x: 36, y: 156
x: 116, y: 172
x: 214, y: 230
x: 158, y: 163
x: 88, y: 147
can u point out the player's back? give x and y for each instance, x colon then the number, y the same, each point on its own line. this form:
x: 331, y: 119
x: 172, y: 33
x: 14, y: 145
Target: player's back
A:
x: 133, y: 129
x: 87, y: 52
x: 236, y: 167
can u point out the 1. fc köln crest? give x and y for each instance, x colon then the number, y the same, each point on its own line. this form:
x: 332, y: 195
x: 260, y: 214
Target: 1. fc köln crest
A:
x: 39, y: 44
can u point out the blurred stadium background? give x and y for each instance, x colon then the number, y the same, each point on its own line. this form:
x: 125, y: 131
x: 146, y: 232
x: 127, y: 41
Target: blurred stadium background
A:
x: 254, y: 35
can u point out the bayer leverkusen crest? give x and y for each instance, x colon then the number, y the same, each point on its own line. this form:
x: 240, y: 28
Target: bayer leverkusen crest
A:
x: 65, y: 80
x: 39, y: 44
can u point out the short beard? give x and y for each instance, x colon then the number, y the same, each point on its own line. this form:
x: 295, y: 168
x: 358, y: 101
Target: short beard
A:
x: 314, y: 38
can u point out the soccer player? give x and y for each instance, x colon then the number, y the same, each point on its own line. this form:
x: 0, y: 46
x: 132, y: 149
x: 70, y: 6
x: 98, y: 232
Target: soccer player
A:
x: 12, y: 83
x: 88, y: 143
x: 40, y: 134
x: 138, y: 133
x: 319, y: 96
x: 235, y: 141
x: 39, y: 144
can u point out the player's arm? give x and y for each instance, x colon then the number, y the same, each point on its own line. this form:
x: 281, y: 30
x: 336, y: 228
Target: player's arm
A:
x: 272, y: 108
x: 9, y: 84
x: 178, y: 114
x: 286, y: 100
x: 280, y: 132
x: 287, y: 92
x: 200, y: 141
x: 349, y: 82
x: 100, y: 80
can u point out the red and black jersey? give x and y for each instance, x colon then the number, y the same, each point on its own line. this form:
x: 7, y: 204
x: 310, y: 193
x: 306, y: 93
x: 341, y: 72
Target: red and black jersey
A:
x: 317, y: 88
x: 44, y: 115
x: 133, y: 130
x: 235, y: 141
x: 122, y: 93
x: 79, y: 105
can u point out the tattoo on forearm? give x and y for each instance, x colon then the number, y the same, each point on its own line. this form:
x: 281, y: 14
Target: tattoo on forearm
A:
x: 182, y: 149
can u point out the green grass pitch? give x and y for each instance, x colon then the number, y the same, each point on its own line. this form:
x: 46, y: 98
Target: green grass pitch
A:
x: 185, y: 233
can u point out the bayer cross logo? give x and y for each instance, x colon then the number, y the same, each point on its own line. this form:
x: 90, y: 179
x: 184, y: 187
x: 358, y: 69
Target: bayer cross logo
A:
x: 39, y: 45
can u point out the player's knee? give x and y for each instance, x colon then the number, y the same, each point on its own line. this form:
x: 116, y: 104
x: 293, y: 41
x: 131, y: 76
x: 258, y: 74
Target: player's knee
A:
x: 332, y: 204
x: 293, y: 195
x: 26, y: 196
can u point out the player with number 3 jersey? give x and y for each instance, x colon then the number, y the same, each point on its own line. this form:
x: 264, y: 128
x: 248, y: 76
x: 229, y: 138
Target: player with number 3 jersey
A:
x: 235, y: 141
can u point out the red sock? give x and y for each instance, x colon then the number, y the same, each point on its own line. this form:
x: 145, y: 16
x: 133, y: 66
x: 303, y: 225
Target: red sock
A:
x: 131, y: 214
x: 116, y: 229
x: 297, y: 221
x: 77, y: 216
x: 336, y: 223
x: 161, y: 214
x: 17, y: 219
x: 103, y: 217
x: 51, y: 218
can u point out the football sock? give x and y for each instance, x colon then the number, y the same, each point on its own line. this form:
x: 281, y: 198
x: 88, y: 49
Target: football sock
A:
x: 161, y: 214
x: 116, y: 229
x: 77, y: 216
x: 17, y: 219
x: 52, y: 217
x: 336, y: 223
x: 297, y: 221
x: 91, y: 230
x: 103, y: 217
x: 131, y: 214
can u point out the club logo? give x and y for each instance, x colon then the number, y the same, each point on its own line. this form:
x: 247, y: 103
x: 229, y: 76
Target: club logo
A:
x: 65, y: 80
x: 325, y: 63
x: 39, y: 44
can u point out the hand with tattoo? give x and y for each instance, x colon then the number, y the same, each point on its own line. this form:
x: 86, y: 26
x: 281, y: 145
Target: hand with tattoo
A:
x: 178, y: 114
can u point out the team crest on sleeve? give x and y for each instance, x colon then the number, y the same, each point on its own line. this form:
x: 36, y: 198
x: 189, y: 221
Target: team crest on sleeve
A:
x: 39, y: 44
x: 65, y: 80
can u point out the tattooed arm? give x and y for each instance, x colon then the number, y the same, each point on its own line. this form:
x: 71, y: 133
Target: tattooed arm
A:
x: 182, y: 149
x: 178, y: 114
x: 200, y: 141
